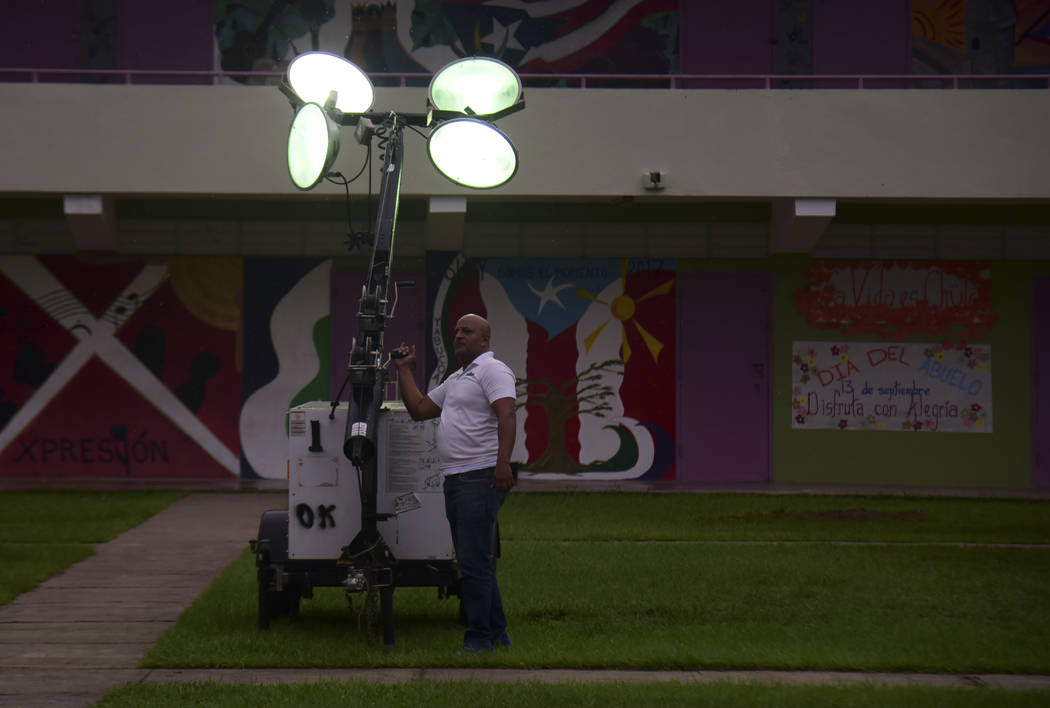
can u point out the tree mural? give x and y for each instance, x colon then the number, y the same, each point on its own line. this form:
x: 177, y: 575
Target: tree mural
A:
x: 562, y: 402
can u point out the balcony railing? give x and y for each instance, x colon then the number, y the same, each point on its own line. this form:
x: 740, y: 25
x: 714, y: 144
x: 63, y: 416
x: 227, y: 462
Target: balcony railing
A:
x: 665, y: 81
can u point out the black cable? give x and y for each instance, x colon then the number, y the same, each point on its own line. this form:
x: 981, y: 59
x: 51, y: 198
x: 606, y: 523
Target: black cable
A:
x: 354, y: 238
x: 354, y: 178
x: 417, y: 131
x: 370, y: 186
x: 349, y: 211
x: 335, y: 401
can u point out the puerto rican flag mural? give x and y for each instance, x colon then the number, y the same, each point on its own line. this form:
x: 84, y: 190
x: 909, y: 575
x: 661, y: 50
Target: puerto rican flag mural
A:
x: 541, y: 36
x: 592, y: 344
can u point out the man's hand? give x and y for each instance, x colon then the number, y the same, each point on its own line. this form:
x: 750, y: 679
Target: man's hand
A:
x: 403, y: 356
x: 503, y: 477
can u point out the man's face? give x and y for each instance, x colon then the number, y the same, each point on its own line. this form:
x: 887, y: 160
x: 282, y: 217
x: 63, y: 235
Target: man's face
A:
x: 470, y: 338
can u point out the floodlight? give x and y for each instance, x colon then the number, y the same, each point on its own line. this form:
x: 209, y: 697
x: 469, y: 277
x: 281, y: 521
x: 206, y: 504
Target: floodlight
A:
x: 482, y: 85
x: 472, y: 152
x: 313, y: 76
x: 313, y: 143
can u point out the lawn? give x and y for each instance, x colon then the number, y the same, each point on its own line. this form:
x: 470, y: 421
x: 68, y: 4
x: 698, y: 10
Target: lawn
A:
x: 697, y: 581
x: 763, y: 517
x: 43, y: 533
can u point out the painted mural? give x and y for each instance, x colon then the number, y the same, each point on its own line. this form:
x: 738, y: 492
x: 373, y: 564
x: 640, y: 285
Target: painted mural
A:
x: 878, y: 386
x: 186, y: 366
x: 590, y: 36
x: 592, y: 345
x: 1032, y: 34
x: 421, y: 36
x: 598, y: 36
x: 980, y: 36
x: 119, y: 367
x: 249, y: 34
x: 950, y: 300
x: 286, y: 325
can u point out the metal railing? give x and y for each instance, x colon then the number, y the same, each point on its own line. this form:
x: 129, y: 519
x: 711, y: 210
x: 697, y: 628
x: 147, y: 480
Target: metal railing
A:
x: 666, y: 81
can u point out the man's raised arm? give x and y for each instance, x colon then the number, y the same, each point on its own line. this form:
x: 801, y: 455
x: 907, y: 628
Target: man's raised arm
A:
x: 419, y: 406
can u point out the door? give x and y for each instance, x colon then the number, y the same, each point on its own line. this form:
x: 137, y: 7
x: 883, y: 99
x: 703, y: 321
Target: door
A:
x: 724, y: 371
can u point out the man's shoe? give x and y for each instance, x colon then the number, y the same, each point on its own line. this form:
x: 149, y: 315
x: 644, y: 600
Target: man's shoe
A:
x: 473, y: 649
x: 504, y: 640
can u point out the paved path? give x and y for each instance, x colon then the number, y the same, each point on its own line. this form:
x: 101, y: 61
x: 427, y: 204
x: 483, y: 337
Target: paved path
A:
x: 84, y: 631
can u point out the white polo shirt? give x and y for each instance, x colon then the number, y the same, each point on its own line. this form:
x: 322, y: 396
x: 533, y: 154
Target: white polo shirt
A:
x: 467, y: 438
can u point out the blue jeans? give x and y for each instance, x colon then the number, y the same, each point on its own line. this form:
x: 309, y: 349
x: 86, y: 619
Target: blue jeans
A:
x: 471, y: 505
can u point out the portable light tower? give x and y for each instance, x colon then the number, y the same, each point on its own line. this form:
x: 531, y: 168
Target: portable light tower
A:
x: 328, y: 93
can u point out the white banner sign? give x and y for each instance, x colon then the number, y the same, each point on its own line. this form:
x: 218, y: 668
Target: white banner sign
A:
x: 881, y: 386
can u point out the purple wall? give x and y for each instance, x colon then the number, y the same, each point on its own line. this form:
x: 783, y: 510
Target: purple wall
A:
x: 55, y: 35
x: 849, y: 37
x: 861, y: 37
x: 176, y: 35
x: 726, y: 38
x: 42, y: 35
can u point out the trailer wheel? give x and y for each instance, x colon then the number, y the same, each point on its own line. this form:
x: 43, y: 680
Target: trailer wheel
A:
x: 264, y: 610
x: 271, y: 552
x: 278, y: 603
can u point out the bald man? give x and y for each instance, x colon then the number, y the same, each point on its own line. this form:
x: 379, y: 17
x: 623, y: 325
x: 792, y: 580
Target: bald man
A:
x: 475, y: 441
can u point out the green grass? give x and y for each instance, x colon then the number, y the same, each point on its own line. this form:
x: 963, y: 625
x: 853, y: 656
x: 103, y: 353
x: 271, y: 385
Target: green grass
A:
x: 43, y: 533
x: 659, y: 582
x: 760, y: 517
x: 539, y: 695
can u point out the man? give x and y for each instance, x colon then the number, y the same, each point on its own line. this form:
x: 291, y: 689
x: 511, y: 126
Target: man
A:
x: 475, y: 441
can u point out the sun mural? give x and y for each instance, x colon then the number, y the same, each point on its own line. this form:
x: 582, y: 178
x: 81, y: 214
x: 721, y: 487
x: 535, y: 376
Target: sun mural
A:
x: 622, y: 308
x: 943, y: 22
x: 940, y: 21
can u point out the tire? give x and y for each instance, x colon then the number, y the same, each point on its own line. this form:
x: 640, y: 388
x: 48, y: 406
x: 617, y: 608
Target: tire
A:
x: 271, y: 553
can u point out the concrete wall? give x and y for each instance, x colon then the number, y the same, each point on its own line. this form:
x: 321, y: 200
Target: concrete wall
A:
x: 870, y: 144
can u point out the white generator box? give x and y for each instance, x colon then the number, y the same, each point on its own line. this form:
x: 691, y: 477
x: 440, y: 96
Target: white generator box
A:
x: 324, y: 502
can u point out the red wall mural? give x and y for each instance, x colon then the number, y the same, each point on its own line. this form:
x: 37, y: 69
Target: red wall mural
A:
x: 119, y: 367
x: 947, y: 300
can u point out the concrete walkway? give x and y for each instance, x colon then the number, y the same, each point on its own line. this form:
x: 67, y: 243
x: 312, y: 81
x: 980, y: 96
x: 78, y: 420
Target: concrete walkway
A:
x: 83, y: 631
